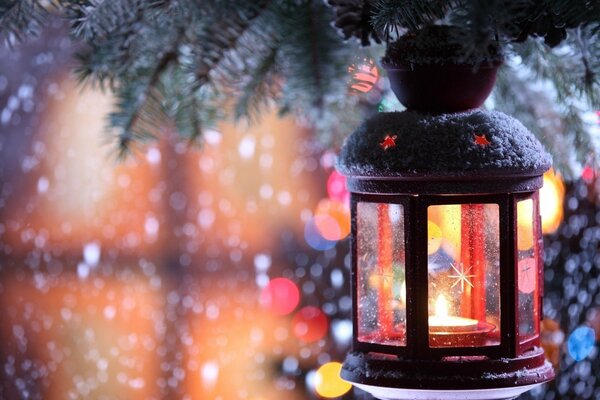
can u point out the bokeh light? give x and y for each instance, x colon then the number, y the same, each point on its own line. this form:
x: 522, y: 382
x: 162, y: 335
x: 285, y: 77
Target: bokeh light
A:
x: 328, y: 227
x: 552, y: 339
x: 328, y: 382
x: 336, y: 188
x: 525, y: 224
x: 332, y: 219
x: 449, y: 222
x: 552, y: 195
x: 281, y: 296
x: 364, y: 75
x: 581, y: 342
x: 434, y: 237
x: 588, y: 174
x: 310, y: 324
x: 592, y: 318
x: 314, y: 238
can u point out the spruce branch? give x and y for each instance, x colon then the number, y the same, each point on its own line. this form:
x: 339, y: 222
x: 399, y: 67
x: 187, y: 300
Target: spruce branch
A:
x: 138, y: 114
x: 588, y: 52
x: 572, y: 68
x: 187, y: 109
x: 313, y: 56
x: 217, y: 39
x: 93, y: 20
x: 353, y: 19
x: 558, y: 125
x: 181, y: 62
x: 20, y: 18
x: 393, y: 15
x: 260, y: 88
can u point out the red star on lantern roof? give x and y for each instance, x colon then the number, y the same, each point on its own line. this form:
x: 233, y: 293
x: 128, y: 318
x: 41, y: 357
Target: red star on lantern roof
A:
x: 481, y: 140
x: 388, y: 142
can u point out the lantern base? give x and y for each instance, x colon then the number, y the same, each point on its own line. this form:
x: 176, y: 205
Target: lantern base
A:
x: 385, y: 393
x: 475, y: 378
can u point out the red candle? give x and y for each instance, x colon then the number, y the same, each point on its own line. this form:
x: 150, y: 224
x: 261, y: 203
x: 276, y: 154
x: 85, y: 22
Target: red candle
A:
x: 472, y: 257
x: 384, y: 270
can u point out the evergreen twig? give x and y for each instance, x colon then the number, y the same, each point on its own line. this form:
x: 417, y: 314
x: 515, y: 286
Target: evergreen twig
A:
x: 177, y: 61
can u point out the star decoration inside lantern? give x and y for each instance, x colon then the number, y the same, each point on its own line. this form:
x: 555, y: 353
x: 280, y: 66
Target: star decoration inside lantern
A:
x: 481, y: 140
x: 388, y: 142
x: 364, y: 75
x: 461, y: 276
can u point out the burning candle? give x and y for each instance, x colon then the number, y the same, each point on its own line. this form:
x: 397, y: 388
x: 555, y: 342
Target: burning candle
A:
x: 443, y: 322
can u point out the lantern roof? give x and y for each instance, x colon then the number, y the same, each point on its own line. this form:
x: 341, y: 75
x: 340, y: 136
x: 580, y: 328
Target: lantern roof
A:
x: 413, y: 145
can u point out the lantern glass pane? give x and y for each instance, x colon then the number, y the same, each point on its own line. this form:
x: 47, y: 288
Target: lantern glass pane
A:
x: 381, y: 290
x: 528, y: 262
x: 464, y: 275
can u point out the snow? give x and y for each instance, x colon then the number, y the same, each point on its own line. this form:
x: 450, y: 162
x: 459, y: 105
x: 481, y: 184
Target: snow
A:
x: 442, y: 145
x: 43, y: 184
x: 212, y: 137
x: 262, y: 262
x: 342, y: 331
x: 247, y: 146
x: 153, y: 155
x: 151, y: 225
x: 182, y: 303
x: 91, y: 253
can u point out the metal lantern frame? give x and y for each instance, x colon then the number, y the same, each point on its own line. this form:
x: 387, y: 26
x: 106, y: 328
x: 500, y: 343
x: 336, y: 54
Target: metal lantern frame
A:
x: 416, y: 194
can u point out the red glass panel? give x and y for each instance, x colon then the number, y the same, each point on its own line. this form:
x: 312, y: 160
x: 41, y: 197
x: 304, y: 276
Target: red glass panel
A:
x: 381, y: 288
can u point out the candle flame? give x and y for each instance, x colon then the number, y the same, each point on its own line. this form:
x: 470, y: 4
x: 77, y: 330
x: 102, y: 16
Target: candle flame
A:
x: 441, y: 306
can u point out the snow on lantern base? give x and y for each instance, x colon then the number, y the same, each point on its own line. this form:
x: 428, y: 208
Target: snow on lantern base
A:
x: 387, y: 377
x: 446, y: 256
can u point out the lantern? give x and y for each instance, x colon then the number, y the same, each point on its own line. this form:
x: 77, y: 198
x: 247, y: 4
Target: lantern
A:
x: 447, y: 268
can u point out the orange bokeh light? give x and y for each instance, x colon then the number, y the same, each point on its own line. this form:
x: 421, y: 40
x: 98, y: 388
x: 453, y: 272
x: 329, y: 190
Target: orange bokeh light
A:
x: 332, y: 219
x: 552, y: 196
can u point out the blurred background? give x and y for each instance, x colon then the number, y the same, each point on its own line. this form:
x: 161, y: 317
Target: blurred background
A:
x: 212, y: 272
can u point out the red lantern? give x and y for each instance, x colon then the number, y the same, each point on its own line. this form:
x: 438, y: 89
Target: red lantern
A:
x: 447, y: 257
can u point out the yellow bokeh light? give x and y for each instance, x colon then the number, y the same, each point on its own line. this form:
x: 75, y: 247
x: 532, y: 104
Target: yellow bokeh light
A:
x: 328, y: 383
x: 450, y: 224
x: 552, y: 195
x: 525, y: 224
x: 434, y: 237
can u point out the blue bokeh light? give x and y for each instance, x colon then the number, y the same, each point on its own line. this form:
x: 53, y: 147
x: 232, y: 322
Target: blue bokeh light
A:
x: 581, y: 342
x: 314, y: 238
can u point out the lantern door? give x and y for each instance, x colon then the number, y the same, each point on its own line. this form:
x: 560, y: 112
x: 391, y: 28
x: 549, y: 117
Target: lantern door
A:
x: 379, y: 241
x: 465, y: 260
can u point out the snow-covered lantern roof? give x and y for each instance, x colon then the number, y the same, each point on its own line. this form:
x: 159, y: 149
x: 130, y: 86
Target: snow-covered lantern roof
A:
x: 446, y: 256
